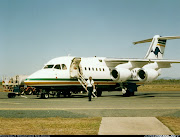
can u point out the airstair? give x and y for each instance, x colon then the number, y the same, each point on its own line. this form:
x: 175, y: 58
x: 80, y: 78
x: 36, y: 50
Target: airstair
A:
x: 76, y: 73
x: 82, y: 81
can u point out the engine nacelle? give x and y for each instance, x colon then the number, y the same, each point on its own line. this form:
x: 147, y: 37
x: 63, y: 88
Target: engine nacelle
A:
x: 120, y: 74
x: 147, y: 75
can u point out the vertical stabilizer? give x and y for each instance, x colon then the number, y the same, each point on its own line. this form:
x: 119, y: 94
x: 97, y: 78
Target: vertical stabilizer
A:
x: 157, y: 46
x: 156, y: 49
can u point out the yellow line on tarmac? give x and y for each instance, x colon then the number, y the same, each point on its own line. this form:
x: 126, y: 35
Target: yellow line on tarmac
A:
x: 89, y: 108
x: 10, y: 103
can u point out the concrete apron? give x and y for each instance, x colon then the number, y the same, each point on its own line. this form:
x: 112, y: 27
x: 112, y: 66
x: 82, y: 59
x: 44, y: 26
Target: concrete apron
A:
x: 132, y: 126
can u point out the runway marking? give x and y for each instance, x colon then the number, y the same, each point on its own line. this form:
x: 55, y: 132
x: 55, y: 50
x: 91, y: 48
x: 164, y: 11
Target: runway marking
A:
x: 10, y: 103
x: 171, y: 108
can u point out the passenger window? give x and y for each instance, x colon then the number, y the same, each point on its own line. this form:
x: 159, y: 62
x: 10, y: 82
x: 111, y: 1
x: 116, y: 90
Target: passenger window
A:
x: 103, y: 69
x: 85, y: 68
x: 93, y: 69
x: 99, y: 69
x: 57, y: 66
x: 64, y: 67
x: 96, y: 69
x: 89, y: 69
x: 48, y: 66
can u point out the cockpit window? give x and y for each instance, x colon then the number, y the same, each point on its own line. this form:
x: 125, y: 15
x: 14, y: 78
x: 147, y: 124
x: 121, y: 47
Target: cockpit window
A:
x: 57, y: 66
x: 48, y: 66
x: 64, y: 67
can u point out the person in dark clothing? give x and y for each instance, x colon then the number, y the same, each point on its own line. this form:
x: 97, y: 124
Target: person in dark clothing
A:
x: 90, y: 86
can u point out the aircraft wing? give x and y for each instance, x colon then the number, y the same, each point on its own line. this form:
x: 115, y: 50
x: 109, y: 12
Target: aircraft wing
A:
x: 139, y: 63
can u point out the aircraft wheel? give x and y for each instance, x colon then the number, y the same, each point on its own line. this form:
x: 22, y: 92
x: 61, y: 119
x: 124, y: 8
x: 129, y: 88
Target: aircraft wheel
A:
x: 44, y: 95
x: 58, y: 94
x: 64, y: 94
x: 126, y: 93
x: 132, y: 94
x: 69, y: 94
x: 99, y: 93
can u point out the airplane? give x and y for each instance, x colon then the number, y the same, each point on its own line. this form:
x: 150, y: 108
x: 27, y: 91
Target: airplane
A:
x: 68, y: 74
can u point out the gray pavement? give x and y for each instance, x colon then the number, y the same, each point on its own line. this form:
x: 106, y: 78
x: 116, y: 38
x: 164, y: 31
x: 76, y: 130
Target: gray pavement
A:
x: 121, y: 115
x: 132, y: 126
x: 111, y: 104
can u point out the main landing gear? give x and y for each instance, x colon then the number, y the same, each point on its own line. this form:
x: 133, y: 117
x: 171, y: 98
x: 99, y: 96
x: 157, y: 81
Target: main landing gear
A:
x: 129, y: 90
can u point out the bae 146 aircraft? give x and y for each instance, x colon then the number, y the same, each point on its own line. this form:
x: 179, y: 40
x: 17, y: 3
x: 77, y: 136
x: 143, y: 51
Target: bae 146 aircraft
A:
x: 69, y: 74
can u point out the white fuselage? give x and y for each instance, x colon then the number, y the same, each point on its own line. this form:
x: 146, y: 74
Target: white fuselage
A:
x: 90, y: 66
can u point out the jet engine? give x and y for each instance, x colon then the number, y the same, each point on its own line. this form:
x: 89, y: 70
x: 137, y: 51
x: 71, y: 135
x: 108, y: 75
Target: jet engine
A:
x: 120, y: 74
x: 147, y: 75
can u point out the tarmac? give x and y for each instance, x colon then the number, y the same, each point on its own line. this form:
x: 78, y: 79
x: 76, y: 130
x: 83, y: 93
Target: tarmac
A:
x: 120, y: 115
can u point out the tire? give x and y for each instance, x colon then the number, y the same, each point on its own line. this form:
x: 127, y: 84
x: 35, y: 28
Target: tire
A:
x: 132, y: 94
x: 58, y: 94
x: 69, y: 94
x: 127, y: 94
x: 99, y: 93
x: 44, y: 95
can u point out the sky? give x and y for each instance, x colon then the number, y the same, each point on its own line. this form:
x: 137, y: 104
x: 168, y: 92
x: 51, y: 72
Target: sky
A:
x: 32, y: 32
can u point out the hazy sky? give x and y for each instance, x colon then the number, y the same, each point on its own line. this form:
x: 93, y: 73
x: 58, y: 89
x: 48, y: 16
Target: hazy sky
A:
x: 34, y: 31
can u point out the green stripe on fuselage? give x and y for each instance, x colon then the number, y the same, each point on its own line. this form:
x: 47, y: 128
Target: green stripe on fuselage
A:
x: 58, y: 79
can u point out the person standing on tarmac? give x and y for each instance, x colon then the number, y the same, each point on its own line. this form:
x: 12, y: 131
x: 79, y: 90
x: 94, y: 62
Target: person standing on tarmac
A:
x: 90, y: 86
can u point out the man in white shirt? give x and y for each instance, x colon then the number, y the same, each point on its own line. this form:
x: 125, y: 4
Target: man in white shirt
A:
x: 90, y: 86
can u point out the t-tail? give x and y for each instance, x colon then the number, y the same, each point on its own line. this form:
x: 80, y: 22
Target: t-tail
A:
x: 157, y: 46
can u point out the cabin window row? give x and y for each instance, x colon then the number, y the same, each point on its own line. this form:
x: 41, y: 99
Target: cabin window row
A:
x: 94, y: 69
x: 57, y: 66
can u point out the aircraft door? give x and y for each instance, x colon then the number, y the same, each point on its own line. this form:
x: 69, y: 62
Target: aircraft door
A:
x: 75, y: 68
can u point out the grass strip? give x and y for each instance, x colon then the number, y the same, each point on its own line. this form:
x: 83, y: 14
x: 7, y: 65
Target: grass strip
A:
x: 49, y: 126
x: 173, y: 123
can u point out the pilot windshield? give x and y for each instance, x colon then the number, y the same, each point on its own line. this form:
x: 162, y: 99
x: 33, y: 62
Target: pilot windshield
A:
x: 64, y: 67
x: 48, y: 66
x: 57, y: 66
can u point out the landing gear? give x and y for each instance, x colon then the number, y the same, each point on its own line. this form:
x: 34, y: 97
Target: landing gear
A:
x: 44, y: 94
x: 129, y: 89
x: 58, y: 94
x: 99, y: 92
x: 127, y: 92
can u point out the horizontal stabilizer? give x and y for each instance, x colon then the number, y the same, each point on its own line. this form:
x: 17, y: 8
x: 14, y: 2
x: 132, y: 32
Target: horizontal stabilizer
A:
x: 143, y: 41
x: 162, y: 38
x: 169, y: 37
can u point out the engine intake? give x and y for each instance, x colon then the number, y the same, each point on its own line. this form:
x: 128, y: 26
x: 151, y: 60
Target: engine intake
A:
x: 120, y: 74
x: 147, y: 75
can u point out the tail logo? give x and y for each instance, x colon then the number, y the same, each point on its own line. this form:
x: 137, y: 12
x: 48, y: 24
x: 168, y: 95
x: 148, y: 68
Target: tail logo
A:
x: 156, y: 51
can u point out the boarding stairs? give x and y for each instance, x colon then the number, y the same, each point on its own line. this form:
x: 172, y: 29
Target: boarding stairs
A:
x: 82, y: 81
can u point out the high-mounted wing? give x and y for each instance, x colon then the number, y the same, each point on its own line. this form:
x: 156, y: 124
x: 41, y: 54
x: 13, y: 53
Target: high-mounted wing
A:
x: 139, y: 63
